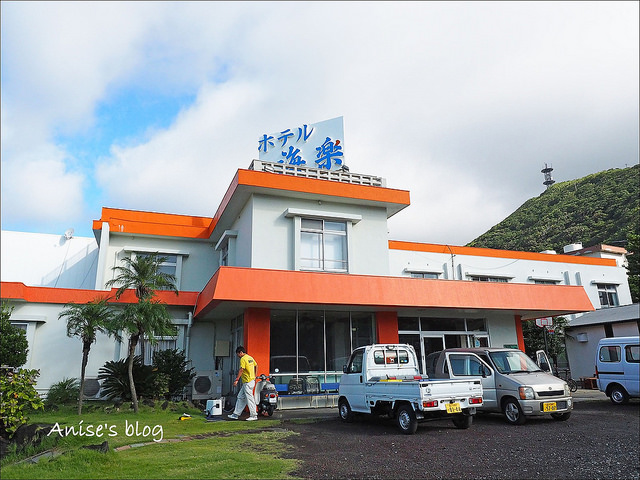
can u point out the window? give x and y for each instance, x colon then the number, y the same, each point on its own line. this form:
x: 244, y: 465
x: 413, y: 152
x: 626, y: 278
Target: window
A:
x: 355, y: 364
x: 424, y: 275
x: 466, y: 365
x: 173, y: 260
x: 608, y: 295
x: 486, y: 278
x: 224, y: 256
x: 160, y: 344
x: 610, y: 354
x: 545, y: 282
x: 316, y: 342
x: 323, y: 245
x: 632, y: 353
x: 390, y: 357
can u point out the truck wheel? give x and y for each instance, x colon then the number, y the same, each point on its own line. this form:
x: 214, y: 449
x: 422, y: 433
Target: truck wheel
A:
x: 561, y: 417
x: 407, y: 421
x: 346, y: 415
x: 513, y: 412
x: 618, y: 395
x: 463, y: 421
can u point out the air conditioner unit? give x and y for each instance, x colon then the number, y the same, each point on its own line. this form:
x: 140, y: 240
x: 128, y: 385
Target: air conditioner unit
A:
x: 92, y: 388
x: 206, y: 384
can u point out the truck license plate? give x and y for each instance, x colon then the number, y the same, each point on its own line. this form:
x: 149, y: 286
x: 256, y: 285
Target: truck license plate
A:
x: 453, y: 408
x: 549, y: 407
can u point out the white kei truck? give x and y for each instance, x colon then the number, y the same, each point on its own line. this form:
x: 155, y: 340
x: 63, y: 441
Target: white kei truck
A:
x: 385, y: 380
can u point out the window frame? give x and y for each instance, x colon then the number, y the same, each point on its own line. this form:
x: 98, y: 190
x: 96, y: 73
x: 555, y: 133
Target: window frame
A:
x: 179, y: 254
x: 608, y: 291
x: 299, y: 214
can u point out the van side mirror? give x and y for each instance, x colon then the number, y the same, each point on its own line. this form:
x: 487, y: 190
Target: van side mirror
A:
x: 344, y: 369
x: 485, y: 372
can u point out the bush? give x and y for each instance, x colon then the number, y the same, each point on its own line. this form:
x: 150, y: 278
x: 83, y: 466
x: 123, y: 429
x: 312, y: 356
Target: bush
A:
x: 115, y: 379
x: 13, y: 340
x: 64, y: 392
x: 175, y: 366
x: 17, y: 397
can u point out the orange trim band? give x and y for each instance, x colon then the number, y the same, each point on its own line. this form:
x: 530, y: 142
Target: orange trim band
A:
x: 20, y: 291
x: 322, y: 187
x: 491, y: 252
x: 153, y: 223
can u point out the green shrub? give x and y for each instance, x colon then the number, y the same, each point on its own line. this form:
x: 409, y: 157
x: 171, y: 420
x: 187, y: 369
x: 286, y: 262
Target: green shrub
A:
x: 175, y: 366
x: 17, y: 397
x: 115, y: 379
x: 64, y: 392
x: 13, y: 340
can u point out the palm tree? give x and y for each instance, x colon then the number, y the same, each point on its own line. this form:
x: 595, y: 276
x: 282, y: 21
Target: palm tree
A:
x: 146, y: 316
x: 149, y: 316
x: 142, y: 274
x: 86, y: 321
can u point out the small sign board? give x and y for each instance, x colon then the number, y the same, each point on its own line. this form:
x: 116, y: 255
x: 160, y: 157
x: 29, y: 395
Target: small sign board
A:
x: 544, y: 322
x: 316, y: 145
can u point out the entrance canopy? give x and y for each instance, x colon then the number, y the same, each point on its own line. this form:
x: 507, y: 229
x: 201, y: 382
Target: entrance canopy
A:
x: 242, y: 287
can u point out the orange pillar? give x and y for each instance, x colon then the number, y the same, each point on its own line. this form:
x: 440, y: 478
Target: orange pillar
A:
x: 387, y: 327
x: 519, y: 333
x: 257, y: 322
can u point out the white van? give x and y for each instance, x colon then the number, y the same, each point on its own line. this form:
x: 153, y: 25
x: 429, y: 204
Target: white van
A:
x: 618, y: 368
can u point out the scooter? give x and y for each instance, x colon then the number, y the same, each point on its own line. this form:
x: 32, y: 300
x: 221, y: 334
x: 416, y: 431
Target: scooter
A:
x: 268, y: 396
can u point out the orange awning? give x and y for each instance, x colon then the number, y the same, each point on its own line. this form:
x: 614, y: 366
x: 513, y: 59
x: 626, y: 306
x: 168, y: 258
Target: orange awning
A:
x: 269, y: 287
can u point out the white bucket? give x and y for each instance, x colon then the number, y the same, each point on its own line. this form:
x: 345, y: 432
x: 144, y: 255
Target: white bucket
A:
x: 214, y: 407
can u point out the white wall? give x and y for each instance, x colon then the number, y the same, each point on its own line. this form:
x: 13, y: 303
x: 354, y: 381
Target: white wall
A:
x: 273, y: 234
x: 502, y: 330
x: 197, y: 267
x: 521, y: 271
x: 51, y: 351
x: 40, y: 259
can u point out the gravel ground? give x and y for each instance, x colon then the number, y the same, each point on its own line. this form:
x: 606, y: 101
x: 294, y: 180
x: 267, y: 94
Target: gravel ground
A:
x: 600, y: 440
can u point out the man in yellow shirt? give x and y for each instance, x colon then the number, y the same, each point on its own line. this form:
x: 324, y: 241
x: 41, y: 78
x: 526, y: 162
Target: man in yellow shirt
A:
x: 247, y: 374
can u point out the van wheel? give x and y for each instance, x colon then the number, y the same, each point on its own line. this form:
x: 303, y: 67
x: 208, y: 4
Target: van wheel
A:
x: 513, y: 412
x: 407, y: 421
x: 561, y: 417
x: 346, y: 415
x: 463, y: 421
x: 618, y: 395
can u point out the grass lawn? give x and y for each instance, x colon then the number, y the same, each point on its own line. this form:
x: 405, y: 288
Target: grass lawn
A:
x: 191, y: 448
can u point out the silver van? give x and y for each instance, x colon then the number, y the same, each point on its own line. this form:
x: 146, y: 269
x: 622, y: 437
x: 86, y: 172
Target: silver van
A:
x: 512, y: 383
x: 618, y: 368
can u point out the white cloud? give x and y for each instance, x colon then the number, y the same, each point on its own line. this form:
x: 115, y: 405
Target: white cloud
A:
x: 461, y: 103
x: 38, y: 186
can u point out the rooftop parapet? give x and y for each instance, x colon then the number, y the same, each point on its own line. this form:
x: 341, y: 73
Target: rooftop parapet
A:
x: 307, y: 172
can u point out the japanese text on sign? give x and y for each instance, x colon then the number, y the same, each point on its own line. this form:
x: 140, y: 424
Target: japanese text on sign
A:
x: 318, y: 145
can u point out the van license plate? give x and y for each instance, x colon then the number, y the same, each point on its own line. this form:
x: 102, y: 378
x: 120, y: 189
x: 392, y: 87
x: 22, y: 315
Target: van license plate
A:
x: 453, y: 408
x: 549, y: 407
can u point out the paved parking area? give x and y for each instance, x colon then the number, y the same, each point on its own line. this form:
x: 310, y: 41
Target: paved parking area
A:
x: 600, y: 440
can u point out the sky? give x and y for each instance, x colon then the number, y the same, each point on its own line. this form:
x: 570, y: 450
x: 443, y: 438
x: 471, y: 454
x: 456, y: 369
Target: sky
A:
x: 154, y: 105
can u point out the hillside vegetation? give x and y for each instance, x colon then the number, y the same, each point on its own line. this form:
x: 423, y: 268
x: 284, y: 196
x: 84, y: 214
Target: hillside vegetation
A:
x: 600, y: 208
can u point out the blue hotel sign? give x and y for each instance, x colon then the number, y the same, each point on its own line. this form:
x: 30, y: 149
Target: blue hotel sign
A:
x: 316, y: 145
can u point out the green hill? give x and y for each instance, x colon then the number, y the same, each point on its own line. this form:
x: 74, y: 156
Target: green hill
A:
x: 600, y: 208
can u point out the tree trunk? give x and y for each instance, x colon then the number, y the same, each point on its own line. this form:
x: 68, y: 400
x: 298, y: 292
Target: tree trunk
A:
x: 132, y: 348
x: 85, y: 359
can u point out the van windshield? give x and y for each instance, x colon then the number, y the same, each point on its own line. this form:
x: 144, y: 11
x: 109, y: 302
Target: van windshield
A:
x: 513, y: 362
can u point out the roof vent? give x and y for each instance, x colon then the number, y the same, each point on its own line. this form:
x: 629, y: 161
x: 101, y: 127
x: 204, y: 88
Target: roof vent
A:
x: 572, y: 247
x: 550, y: 252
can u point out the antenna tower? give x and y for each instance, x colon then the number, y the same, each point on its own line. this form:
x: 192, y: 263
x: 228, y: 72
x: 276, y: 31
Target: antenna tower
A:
x: 548, y: 179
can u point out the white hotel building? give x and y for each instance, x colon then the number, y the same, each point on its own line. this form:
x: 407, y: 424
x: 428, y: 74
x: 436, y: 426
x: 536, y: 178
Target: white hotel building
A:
x: 295, y: 265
